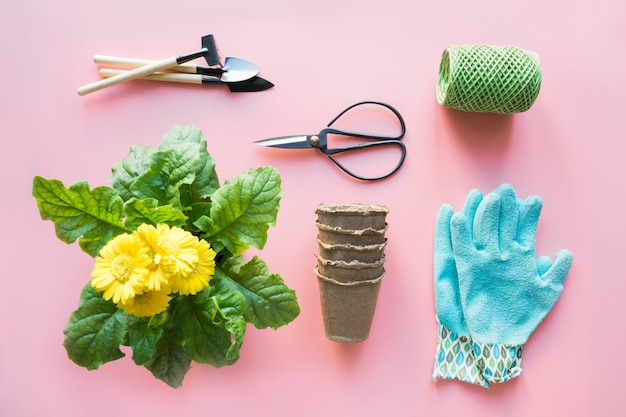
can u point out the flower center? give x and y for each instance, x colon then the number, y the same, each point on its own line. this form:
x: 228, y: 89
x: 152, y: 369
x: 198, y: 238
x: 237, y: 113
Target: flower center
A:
x: 121, y: 268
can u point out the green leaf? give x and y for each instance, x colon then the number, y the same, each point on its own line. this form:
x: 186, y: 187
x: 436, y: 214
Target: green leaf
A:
x: 269, y: 302
x: 130, y: 168
x: 200, y: 330
x: 206, y: 180
x: 95, y: 331
x: 242, y: 210
x: 182, y: 133
x: 230, y: 305
x: 168, y: 170
x: 170, y: 362
x: 194, y: 212
x: 148, y: 211
x: 88, y: 294
x: 77, y: 211
x: 143, y: 340
x: 150, y: 172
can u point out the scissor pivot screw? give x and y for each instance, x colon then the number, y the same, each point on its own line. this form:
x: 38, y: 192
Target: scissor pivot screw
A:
x: 314, y: 141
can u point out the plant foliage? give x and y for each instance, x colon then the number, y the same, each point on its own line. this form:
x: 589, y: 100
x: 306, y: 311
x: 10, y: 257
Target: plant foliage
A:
x: 174, y: 184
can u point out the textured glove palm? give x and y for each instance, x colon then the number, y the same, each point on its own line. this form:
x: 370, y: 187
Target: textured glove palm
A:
x: 504, y: 291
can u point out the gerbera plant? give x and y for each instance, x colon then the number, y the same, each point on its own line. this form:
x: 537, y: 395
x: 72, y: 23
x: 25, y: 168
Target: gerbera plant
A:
x: 169, y: 277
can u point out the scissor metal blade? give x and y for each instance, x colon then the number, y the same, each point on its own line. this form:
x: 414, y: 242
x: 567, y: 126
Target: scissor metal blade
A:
x: 294, y: 142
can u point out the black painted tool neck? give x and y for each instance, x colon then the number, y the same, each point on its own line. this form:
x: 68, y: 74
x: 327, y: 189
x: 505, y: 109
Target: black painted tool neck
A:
x: 188, y: 57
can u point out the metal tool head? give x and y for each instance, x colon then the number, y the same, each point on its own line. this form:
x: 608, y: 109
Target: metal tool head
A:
x: 251, y: 85
x: 236, y: 70
x: 212, y: 55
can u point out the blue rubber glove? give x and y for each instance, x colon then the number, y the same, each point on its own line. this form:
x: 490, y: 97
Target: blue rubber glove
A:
x: 454, y: 357
x: 505, y: 292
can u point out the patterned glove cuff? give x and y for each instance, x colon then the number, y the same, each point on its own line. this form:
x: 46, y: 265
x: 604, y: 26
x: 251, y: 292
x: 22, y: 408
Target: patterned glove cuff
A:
x: 455, y: 358
x: 498, y: 362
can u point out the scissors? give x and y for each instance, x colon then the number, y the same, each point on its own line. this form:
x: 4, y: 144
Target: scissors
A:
x: 320, y: 141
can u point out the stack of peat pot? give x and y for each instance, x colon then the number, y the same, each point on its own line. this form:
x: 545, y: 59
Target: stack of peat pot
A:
x: 350, y: 267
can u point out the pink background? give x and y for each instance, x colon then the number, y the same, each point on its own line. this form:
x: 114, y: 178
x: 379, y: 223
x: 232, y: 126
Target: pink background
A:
x: 322, y: 56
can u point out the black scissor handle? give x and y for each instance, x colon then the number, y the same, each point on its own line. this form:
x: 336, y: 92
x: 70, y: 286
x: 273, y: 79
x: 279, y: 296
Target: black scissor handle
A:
x: 381, y: 140
x: 367, y: 135
x: 388, y: 142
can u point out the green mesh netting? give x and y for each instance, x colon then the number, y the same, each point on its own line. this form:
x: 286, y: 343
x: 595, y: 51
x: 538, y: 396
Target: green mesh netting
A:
x: 482, y: 78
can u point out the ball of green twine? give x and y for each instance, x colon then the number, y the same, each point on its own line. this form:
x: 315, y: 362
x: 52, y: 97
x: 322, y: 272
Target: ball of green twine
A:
x: 483, y: 78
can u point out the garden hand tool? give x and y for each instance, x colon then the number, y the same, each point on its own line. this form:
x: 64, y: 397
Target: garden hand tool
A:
x: 319, y: 141
x: 208, y: 51
x: 249, y: 85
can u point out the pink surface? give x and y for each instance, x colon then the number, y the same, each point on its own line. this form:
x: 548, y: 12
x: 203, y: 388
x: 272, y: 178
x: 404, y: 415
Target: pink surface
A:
x: 322, y: 56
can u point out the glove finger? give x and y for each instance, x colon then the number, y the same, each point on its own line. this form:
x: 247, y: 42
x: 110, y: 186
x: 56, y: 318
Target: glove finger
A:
x: 487, y: 223
x: 474, y: 197
x: 529, y: 212
x: 543, y: 265
x: 446, y: 281
x: 443, y: 240
x: 557, y: 273
x: 462, y: 240
x: 508, y: 215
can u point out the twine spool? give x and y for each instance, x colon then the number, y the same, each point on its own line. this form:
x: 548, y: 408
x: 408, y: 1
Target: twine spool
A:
x: 482, y: 78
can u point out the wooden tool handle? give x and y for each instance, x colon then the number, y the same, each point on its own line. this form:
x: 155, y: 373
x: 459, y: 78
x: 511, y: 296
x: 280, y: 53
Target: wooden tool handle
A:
x: 136, y: 62
x: 157, y: 76
x: 128, y: 75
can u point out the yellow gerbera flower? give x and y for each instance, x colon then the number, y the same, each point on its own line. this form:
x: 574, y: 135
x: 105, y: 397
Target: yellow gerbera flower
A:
x: 147, y: 304
x: 148, y: 235
x: 121, y: 268
x: 201, y: 271
x: 180, y: 247
x: 173, y: 252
